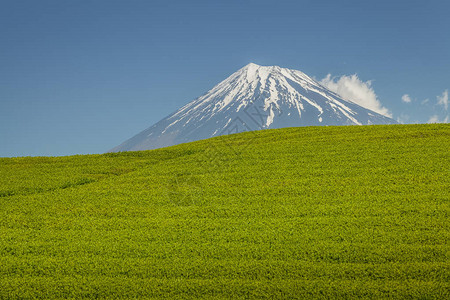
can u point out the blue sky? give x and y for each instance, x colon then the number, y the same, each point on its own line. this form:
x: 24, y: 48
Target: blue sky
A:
x: 81, y: 77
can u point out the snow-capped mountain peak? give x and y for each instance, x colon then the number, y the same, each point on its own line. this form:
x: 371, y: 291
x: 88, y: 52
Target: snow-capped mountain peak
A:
x: 253, y: 98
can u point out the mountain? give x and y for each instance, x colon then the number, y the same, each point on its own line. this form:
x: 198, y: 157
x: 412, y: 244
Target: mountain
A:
x: 253, y: 98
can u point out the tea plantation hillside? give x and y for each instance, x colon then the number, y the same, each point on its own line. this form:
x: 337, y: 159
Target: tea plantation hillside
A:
x: 317, y: 212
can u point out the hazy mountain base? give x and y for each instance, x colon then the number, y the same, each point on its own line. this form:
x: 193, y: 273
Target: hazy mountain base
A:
x: 342, y: 212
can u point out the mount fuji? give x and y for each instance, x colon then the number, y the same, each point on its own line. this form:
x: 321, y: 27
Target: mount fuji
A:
x: 253, y: 98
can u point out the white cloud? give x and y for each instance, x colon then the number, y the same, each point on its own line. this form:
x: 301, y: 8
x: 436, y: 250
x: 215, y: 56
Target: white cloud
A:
x: 353, y: 89
x: 443, y: 100
x: 406, y: 98
x: 403, y: 118
x: 435, y: 119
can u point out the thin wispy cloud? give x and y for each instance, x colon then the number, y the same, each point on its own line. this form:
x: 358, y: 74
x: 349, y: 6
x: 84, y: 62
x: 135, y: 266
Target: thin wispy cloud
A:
x: 443, y: 99
x: 406, y: 98
x: 354, y: 89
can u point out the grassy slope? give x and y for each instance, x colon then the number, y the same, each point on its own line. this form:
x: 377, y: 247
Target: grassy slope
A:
x: 298, y: 212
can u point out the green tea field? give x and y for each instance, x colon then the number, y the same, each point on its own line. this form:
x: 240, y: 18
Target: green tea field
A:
x: 311, y: 212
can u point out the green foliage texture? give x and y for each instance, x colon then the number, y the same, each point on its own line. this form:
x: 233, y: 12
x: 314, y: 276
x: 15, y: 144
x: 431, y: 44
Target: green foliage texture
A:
x: 312, y: 212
